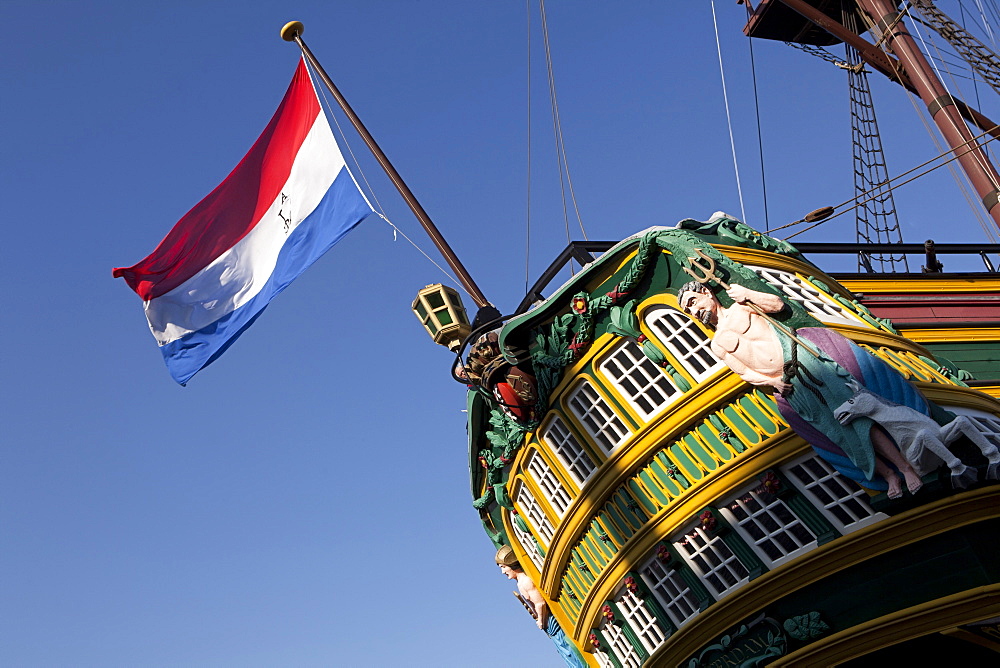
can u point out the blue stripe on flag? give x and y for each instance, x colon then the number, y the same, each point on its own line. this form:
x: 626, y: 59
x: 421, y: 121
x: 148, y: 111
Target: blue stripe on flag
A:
x: 340, y: 210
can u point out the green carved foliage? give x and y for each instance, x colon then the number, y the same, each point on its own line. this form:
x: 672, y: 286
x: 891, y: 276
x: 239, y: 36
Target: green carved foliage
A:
x: 805, y: 627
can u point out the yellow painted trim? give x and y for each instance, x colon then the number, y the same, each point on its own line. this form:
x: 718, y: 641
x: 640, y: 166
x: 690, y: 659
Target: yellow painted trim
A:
x: 720, y: 483
x: 929, y: 617
x: 956, y: 395
x: 539, y: 441
x: 773, y: 260
x: 904, y: 529
x: 627, y: 456
x: 991, y: 390
x: 951, y: 334
x: 969, y: 636
x: 528, y: 566
x: 873, y: 286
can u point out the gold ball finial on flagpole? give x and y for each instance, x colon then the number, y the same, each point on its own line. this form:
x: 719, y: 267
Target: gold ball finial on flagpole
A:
x: 292, y: 30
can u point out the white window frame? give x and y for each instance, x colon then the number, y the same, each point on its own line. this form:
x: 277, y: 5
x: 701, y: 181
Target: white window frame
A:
x: 670, y: 590
x: 643, y: 385
x: 533, y: 514
x: 547, y: 482
x: 603, y: 660
x: 704, y: 550
x: 641, y: 619
x: 561, y: 441
x: 684, y: 340
x: 624, y: 650
x: 768, y: 508
x: 528, y: 544
x: 842, y: 495
x: 818, y: 304
x: 598, y: 419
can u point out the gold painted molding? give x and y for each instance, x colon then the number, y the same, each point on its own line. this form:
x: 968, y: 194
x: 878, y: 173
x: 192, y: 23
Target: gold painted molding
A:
x: 904, y: 529
x: 951, y: 334
x: 929, y: 617
x: 869, y: 286
x: 720, y: 483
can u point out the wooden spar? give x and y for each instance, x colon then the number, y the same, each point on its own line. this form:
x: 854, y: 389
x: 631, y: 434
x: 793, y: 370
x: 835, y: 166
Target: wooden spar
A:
x: 292, y: 32
x: 912, y: 71
x: 940, y: 105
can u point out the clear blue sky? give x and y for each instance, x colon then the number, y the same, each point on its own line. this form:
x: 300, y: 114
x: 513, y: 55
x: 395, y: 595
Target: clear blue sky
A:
x: 305, y: 501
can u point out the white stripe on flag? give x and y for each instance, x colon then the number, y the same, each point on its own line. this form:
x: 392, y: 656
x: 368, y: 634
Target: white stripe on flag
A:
x: 237, y: 275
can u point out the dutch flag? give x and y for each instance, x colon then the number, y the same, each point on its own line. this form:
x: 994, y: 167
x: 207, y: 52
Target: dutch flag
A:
x: 288, y: 201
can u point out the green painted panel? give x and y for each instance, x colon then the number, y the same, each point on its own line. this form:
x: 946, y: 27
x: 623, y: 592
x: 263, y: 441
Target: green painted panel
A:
x: 703, y: 455
x: 599, y: 554
x: 657, y: 494
x: 633, y: 517
x: 688, y: 467
x: 582, y: 556
x: 980, y: 358
x: 746, y: 433
x: 574, y: 604
x: 640, y: 496
x: 762, y: 418
x: 623, y: 527
x: 714, y: 442
x: 672, y: 484
x: 612, y: 530
x: 586, y: 577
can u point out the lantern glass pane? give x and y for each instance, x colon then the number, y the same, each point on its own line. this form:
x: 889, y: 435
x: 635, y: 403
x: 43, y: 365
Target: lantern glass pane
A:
x: 435, y: 300
x: 457, y: 308
x: 443, y: 316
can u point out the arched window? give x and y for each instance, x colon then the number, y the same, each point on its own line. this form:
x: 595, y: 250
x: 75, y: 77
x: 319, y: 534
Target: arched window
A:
x: 561, y: 441
x: 548, y: 483
x: 533, y: 514
x: 840, y: 500
x: 684, y: 339
x: 822, y: 307
x: 641, y: 619
x: 669, y: 588
x: 597, y: 417
x: 712, y: 561
x: 643, y: 384
x: 769, y: 525
x: 527, y: 543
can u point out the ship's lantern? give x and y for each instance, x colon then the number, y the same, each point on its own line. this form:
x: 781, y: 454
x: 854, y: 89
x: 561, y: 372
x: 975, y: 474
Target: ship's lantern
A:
x: 440, y: 310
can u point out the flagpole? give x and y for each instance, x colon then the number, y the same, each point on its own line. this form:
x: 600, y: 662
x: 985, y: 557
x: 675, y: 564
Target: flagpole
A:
x: 292, y: 32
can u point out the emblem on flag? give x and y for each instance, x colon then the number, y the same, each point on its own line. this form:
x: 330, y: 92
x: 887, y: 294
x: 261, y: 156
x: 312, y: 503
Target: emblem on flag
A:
x: 286, y: 203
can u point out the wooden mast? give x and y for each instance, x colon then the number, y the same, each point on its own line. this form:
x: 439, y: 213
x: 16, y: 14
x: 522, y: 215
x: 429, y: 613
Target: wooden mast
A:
x: 940, y: 104
x: 908, y: 68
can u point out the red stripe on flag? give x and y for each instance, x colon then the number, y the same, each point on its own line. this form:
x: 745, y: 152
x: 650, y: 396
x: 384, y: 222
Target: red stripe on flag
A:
x: 230, y: 211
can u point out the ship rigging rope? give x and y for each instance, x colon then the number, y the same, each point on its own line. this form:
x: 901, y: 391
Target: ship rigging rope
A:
x: 729, y: 120
x: 962, y: 184
x: 973, y: 148
x: 760, y: 141
x: 557, y: 129
x: 894, y: 186
x: 979, y: 157
x: 527, y: 213
x: 380, y: 210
